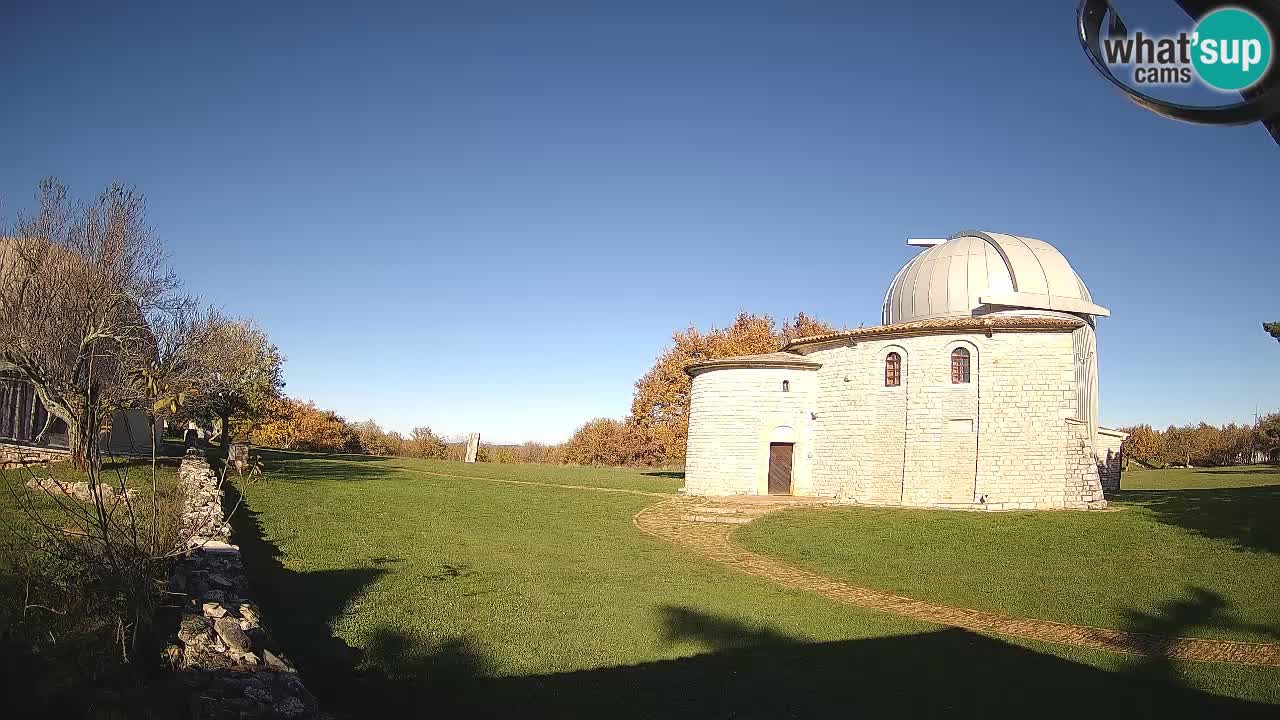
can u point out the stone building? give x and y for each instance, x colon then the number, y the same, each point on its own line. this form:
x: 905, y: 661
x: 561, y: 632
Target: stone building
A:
x: 979, y: 391
x: 23, y: 418
x: 27, y: 431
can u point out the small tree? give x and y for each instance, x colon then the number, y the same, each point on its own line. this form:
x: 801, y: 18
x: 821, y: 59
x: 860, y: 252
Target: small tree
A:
x: 1267, y: 435
x: 1143, y: 445
x: 239, y: 374
x: 376, y: 441
x: 603, y: 441
x: 423, y: 443
x: 295, y: 425
x: 1272, y: 329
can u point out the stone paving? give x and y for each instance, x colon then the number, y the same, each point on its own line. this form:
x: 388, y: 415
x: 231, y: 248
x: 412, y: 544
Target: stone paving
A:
x: 705, y: 525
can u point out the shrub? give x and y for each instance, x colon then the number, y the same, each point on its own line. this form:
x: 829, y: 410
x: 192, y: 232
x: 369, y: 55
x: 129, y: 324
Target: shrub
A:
x: 604, y: 441
x: 376, y: 441
x: 423, y: 443
x: 295, y: 425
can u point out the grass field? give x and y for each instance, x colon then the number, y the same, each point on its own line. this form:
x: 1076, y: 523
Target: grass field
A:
x: 405, y: 588
x: 59, y: 655
x: 17, y: 502
x: 1197, y: 552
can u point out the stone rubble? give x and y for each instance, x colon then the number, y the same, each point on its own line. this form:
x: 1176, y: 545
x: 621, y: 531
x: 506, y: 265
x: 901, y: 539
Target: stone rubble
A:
x: 78, y: 490
x: 222, y: 651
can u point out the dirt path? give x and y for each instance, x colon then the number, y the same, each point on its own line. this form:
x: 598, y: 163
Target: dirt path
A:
x: 704, y: 525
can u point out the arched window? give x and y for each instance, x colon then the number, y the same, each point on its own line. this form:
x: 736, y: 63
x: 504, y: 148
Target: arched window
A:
x: 786, y: 386
x: 959, y: 366
x: 892, y: 370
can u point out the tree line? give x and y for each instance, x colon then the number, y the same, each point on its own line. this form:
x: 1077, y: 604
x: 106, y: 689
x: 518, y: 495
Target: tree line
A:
x: 654, y: 434
x: 1204, y: 445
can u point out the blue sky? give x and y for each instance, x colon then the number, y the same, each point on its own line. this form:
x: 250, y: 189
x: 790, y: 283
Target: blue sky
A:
x: 491, y: 216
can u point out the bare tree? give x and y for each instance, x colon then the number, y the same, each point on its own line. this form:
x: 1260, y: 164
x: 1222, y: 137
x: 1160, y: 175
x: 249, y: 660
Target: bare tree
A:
x: 79, y: 283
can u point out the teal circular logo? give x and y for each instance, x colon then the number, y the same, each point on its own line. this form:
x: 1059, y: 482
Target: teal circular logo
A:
x: 1231, y: 49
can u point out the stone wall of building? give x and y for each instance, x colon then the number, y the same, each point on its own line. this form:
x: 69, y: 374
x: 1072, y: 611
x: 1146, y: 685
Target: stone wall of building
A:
x: 223, y: 651
x: 1083, y: 488
x: 1008, y: 439
x: 997, y: 442
x: 734, y: 413
x: 943, y: 422
x: 1028, y: 392
x: 860, y: 433
x: 1110, y: 457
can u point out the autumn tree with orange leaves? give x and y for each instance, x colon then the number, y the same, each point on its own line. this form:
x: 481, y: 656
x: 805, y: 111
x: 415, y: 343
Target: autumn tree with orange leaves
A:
x: 660, y: 408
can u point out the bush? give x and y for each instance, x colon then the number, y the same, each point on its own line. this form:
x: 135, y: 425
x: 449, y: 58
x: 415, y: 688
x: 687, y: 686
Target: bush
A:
x: 604, y: 441
x: 295, y: 425
x: 376, y: 441
x: 423, y: 443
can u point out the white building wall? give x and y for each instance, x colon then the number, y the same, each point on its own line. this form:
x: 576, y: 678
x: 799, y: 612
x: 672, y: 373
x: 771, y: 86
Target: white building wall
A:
x: 860, y: 432
x: 1002, y: 438
x: 1008, y: 439
x: 734, y: 413
x: 943, y: 422
x: 1028, y: 392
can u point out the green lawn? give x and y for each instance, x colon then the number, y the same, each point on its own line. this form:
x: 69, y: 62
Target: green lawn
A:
x: 59, y: 656
x: 1194, y: 552
x: 403, y: 590
x: 17, y: 502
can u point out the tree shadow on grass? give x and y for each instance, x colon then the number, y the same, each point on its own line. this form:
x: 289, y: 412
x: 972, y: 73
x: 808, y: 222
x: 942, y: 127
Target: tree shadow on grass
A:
x: 1248, y: 517
x: 299, y: 607
x: 301, y: 468
x: 749, y: 671
x: 279, y: 455
x: 1201, y: 608
x: 760, y: 672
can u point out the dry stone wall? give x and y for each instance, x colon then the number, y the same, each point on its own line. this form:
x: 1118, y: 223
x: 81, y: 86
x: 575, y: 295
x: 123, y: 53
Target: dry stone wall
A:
x: 223, y: 651
x: 15, y: 455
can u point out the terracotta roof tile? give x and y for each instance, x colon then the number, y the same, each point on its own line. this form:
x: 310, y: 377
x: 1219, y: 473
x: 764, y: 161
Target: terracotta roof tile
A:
x: 935, y: 326
x: 773, y: 359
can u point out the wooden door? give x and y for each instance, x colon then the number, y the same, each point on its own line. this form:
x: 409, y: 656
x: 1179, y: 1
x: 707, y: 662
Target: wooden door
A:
x: 780, y: 468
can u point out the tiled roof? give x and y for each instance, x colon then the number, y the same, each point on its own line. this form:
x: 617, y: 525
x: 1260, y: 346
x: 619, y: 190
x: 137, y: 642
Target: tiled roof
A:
x: 773, y: 359
x: 986, y: 324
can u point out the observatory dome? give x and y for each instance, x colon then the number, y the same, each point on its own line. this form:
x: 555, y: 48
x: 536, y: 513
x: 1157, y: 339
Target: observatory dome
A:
x: 980, y: 273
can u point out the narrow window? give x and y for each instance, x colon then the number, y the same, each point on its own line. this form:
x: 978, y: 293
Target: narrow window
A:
x: 786, y: 386
x: 959, y: 366
x: 893, y: 370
